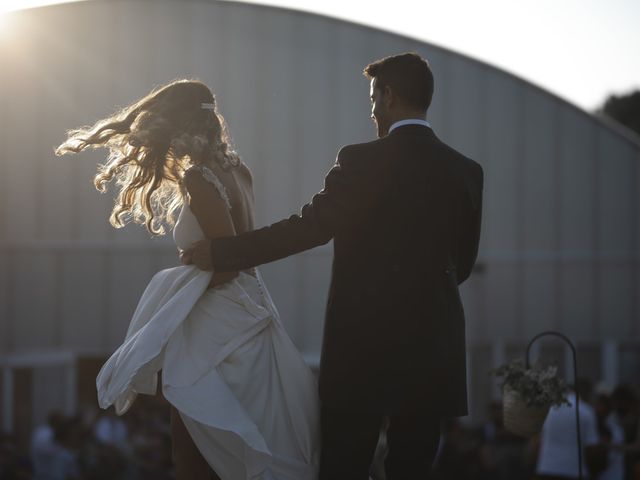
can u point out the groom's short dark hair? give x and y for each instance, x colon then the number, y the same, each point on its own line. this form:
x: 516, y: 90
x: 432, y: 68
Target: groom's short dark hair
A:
x: 407, y: 74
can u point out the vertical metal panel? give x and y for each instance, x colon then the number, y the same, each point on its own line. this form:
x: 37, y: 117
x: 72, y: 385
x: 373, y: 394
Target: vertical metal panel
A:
x: 314, y: 273
x: 576, y: 278
x: 55, y: 98
x: 34, y: 298
x: 615, y: 299
x: 629, y: 364
x: 46, y: 392
x: 269, y: 150
x: 614, y: 212
x: 539, y: 298
x: 9, y: 268
x: 616, y: 159
x: 501, y: 159
x: 4, y: 119
x: 501, y: 301
x: 577, y: 308
x: 596, y: 264
x: 22, y: 104
x: 90, y: 42
x: 168, y: 259
x: 5, y: 298
x: 81, y: 288
x: 467, y: 87
x: 171, y: 55
x: 130, y: 273
x: 500, y: 214
x: 610, y: 362
x: 279, y: 277
x: 538, y: 213
x: 539, y: 168
x: 577, y: 188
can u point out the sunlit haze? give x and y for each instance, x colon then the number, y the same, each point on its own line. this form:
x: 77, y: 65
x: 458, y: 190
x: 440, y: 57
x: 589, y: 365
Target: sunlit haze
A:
x: 580, y: 50
x: 11, y: 5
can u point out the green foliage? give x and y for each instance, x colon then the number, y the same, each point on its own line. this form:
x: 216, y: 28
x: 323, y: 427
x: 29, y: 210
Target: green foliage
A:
x: 625, y: 109
x: 539, y: 386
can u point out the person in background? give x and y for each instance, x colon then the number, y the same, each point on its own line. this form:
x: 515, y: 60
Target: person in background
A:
x: 65, y: 464
x: 558, y: 457
x: 611, y: 434
x: 111, y: 430
x: 43, y: 445
x: 626, y: 405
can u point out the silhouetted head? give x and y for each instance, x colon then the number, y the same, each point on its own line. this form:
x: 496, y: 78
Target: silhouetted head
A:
x: 401, y: 86
x: 152, y: 142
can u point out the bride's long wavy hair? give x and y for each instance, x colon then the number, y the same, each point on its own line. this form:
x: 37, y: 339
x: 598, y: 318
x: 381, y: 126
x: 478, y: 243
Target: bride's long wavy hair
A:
x: 151, y: 143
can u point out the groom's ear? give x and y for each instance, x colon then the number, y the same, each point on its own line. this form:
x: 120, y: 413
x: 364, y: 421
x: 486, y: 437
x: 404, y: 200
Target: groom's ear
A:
x: 389, y: 98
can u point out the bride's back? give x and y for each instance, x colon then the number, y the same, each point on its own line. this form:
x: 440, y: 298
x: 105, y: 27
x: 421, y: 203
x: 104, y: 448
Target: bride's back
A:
x: 235, y: 187
x: 239, y: 185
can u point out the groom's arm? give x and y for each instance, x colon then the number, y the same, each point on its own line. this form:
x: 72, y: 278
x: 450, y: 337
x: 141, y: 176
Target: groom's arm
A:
x: 348, y: 192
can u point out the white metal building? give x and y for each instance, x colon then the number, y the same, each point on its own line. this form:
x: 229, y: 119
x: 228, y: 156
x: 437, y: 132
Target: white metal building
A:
x: 561, y: 229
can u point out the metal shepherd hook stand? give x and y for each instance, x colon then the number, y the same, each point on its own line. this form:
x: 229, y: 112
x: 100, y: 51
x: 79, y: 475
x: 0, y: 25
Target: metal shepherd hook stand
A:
x: 575, y: 379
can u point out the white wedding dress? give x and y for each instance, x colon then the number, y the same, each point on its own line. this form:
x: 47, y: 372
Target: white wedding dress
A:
x: 243, y: 390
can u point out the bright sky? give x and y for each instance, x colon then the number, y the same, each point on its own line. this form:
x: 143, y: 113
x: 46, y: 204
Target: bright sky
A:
x: 581, y: 50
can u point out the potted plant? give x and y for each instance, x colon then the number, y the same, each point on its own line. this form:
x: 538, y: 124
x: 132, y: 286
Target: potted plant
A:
x: 528, y: 393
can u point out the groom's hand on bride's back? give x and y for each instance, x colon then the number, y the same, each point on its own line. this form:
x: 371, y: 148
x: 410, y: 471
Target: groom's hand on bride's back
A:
x: 198, y: 255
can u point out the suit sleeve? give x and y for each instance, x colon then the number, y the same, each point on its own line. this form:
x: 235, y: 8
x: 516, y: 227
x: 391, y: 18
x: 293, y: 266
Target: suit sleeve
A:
x: 468, y: 250
x: 347, y: 193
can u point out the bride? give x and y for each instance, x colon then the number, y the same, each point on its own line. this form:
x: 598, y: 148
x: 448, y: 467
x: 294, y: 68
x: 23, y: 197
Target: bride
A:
x: 243, y: 402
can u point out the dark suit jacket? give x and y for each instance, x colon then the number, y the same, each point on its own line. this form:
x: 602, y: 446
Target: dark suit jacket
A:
x: 404, y: 212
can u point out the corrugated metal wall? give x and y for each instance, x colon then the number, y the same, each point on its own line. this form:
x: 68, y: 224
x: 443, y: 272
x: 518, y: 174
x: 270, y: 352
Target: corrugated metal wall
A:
x: 560, y: 234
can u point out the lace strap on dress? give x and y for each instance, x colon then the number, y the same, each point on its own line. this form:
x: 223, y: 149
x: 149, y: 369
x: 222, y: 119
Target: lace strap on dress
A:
x: 212, y: 178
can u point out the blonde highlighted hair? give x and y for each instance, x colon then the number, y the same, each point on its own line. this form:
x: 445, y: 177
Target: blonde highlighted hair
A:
x: 152, y: 142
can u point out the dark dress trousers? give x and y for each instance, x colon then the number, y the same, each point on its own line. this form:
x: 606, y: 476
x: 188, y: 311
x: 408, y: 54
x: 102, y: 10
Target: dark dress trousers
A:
x: 404, y: 213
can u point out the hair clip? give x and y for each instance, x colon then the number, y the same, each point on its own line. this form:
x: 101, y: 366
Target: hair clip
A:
x: 207, y: 106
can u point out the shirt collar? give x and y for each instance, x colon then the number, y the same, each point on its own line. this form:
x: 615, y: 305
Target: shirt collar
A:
x: 409, y: 121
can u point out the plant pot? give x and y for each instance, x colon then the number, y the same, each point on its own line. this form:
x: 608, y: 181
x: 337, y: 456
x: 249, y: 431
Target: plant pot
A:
x: 519, y: 418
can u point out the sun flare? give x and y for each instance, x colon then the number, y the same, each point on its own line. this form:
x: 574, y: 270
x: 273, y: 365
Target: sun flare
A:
x: 12, y: 5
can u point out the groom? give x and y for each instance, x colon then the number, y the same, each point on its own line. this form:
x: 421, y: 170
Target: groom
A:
x: 404, y: 213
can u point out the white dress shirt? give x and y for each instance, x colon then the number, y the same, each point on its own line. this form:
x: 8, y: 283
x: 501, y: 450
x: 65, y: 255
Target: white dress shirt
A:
x: 558, y: 444
x: 409, y: 121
